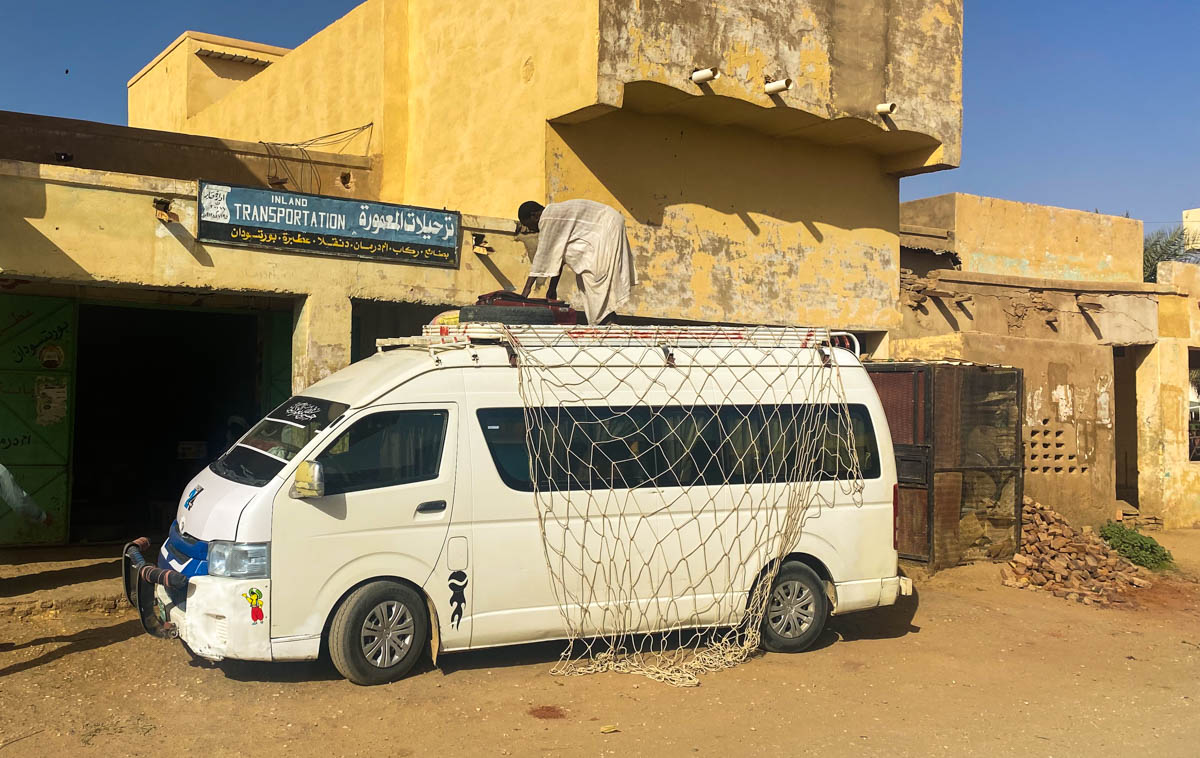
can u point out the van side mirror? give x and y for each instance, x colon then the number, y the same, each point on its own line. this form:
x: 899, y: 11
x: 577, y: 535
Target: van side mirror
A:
x: 309, y: 481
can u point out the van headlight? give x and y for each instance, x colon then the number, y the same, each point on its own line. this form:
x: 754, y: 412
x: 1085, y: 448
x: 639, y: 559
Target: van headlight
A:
x: 239, y: 560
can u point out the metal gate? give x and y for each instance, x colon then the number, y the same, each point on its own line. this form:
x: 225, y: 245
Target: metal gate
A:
x: 904, y: 391
x: 956, y: 430
x: 37, y: 358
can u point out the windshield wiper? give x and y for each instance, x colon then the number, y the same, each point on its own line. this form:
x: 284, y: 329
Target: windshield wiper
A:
x: 221, y: 469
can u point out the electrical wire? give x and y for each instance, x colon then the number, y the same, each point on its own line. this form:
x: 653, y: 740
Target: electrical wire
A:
x: 310, y: 181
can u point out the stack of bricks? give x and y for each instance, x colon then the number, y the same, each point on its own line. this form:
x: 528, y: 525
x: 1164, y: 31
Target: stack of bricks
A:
x: 1068, y: 562
x: 1147, y: 523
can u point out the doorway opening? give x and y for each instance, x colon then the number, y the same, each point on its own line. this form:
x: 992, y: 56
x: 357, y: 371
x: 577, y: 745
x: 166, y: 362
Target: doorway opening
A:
x: 160, y: 393
x: 1126, y: 361
x: 371, y: 320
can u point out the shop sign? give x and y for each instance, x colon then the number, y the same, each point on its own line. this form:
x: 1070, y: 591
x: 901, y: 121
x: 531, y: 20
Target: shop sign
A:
x: 233, y: 215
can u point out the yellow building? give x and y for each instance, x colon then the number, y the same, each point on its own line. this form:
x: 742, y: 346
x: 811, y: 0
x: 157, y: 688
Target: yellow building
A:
x: 767, y: 194
x: 1106, y: 357
x: 731, y: 192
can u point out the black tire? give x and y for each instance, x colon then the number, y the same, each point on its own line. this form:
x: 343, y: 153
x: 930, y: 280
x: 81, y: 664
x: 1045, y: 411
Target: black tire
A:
x: 501, y: 314
x: 781, y: 633
x: 348, y: 635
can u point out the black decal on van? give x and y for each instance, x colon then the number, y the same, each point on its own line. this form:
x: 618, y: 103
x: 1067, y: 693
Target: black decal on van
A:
x: 458, y: 596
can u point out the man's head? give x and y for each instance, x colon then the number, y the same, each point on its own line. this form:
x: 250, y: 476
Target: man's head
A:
x: 530, y: 214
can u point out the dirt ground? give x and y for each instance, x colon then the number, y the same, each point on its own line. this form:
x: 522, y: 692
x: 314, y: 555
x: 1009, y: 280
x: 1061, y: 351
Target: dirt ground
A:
x: 967, y: 667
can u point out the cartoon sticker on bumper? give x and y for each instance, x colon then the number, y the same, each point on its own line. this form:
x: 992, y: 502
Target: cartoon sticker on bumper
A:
x: 255, y: 599
x: 458, y: 596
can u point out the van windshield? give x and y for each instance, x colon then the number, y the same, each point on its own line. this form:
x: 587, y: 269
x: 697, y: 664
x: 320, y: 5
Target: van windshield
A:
x: 266, y: 449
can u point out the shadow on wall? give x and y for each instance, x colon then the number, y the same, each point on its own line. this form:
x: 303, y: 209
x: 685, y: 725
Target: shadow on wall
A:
x: 736, y: 226
x: 651, y: 163
x: 24, y: 250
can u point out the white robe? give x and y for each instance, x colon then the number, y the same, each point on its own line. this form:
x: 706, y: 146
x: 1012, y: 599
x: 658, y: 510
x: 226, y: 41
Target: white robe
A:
x: 590, y: 238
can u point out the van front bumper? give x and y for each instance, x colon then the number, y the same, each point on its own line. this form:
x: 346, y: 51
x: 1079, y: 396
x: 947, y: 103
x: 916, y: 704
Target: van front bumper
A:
x: 216, y: 618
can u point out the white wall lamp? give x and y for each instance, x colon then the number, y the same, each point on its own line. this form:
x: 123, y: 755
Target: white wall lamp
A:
x: 705, y: 75
x: 885, y: 109
x: 776, y: 86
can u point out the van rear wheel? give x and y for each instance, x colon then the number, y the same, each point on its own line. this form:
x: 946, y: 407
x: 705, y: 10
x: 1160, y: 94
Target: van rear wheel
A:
x: 796, y: 610
x: 378, y: 633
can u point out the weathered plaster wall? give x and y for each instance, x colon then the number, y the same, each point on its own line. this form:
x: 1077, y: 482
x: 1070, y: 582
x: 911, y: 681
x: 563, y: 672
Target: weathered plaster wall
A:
x: 843, y: 58
x: 1168, y: 481
x: 745, y: 207
x: 76, y: 226
x: 1058, y: 310
x: 39, y: 139
x: 733, y: 225
x: 1068, y: 426
x: 459, y: 95
x: 993, y: 236
x: 1062, y: 335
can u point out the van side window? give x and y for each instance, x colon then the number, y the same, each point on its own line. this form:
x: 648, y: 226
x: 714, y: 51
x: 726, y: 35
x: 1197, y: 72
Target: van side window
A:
x: 603, y: 447
x: 385, y: 449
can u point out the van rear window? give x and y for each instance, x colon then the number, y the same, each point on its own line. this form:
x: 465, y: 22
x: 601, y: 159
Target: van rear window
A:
x: 603, y: 447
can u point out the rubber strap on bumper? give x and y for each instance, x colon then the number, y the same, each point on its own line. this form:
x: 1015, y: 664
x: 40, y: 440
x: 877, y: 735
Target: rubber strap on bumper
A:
x: 140, y: 578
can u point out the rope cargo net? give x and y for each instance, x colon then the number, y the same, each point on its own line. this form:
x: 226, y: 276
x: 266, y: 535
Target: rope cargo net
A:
x: 673, y: 469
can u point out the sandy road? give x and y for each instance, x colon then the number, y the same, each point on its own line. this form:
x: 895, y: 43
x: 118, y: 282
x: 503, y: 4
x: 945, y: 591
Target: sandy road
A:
x: 966, y: 668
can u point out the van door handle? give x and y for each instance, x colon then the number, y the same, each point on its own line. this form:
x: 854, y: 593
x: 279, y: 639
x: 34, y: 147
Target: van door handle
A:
x: 433, y: 506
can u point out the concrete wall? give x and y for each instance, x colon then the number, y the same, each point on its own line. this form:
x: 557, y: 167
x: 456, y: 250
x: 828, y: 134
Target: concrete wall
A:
x: 733, y: 225
x: 460, y: 96
x: 483, y: 81
x: 1062, y: 335
x: 178, y: 83
x: 465, y: 130
x: 743, y: 207
x: 333, y: 81
x: 1068, y: 427
x: 1191, y: 225
x: 993, y: 236
x: 844, y: 59
x: 1169, y: 482
x: 41, y: 139
x: 94, y: 228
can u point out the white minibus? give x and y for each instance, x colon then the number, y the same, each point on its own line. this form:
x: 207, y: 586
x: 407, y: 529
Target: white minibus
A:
x: 390, y: 507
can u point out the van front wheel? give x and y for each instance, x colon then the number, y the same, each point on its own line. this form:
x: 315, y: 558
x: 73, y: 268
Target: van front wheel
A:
x: 378, y: 633
x: 796, y: 610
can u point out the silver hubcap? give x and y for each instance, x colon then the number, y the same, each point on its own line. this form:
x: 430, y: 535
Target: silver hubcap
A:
x: 791, y: 610
x: 387, y: 634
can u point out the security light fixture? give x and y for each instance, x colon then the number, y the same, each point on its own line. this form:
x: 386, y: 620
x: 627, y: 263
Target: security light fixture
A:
x: 774, y: 87
x: 162, y: 210
x: 705, y: 75
x: 885, y: 109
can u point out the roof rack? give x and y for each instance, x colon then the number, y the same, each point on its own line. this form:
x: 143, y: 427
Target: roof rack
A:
x: 531, y: 336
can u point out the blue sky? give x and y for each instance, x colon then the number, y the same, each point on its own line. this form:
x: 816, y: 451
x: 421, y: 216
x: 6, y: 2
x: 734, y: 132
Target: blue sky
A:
x: 1083, y: 105
x: 1080, y: 104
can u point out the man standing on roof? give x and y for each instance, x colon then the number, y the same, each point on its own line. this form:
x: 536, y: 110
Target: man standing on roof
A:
x: 590, y: 238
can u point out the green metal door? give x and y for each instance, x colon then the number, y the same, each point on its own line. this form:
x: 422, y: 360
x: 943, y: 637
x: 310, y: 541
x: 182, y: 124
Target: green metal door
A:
x: 37, y: 361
